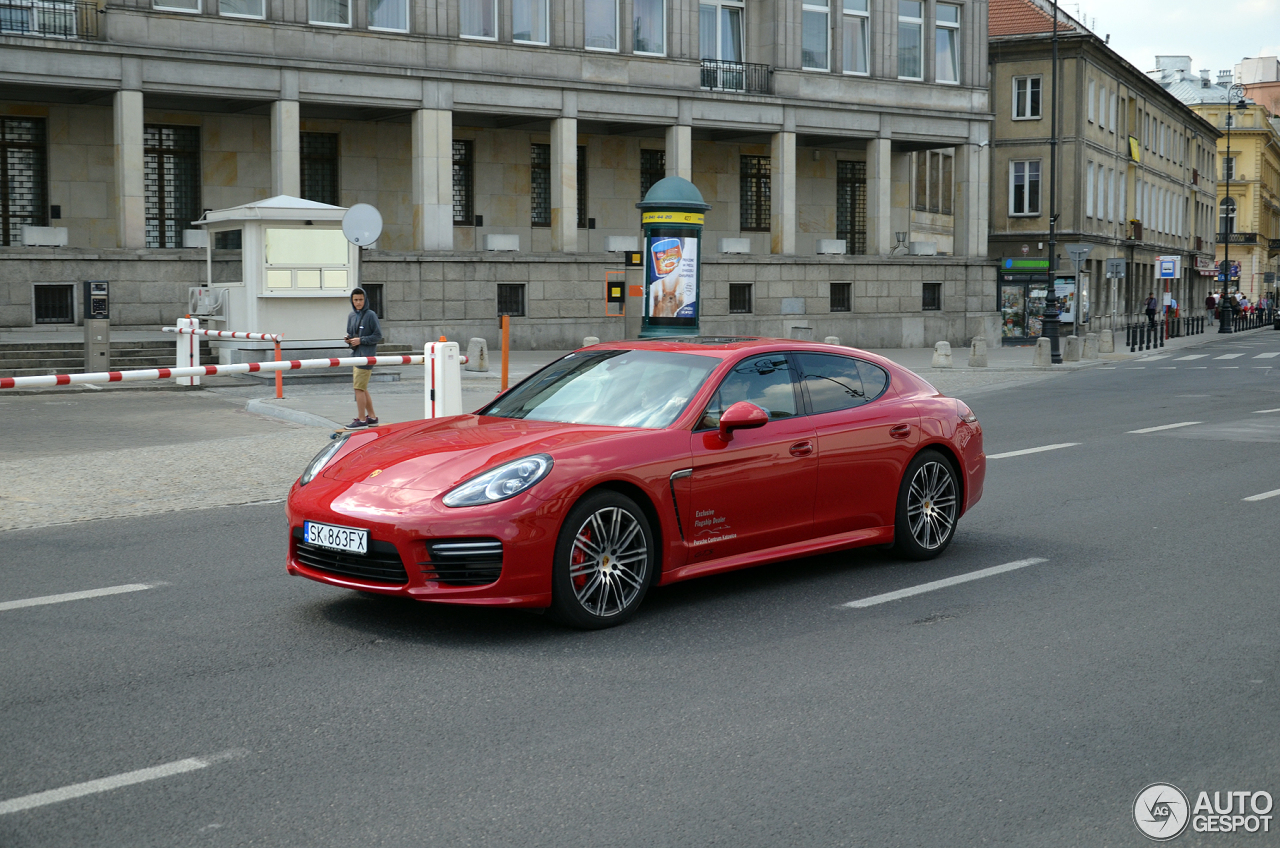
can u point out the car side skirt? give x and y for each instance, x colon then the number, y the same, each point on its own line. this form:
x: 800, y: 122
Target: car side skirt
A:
x: 826, y: 544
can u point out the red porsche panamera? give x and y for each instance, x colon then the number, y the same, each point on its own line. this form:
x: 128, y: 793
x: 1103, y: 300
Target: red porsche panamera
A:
x: 632, y: 464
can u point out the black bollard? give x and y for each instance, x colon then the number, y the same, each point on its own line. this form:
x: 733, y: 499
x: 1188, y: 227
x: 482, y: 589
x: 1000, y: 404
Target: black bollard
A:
x: 1130, y: 337
x: 1163, y: 330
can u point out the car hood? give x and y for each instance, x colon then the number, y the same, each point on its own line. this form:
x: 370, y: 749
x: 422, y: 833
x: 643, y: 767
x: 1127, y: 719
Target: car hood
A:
x: 434, y: 456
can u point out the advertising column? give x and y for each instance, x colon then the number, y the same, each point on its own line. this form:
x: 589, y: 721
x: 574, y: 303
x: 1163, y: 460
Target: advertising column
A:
x: 672, y: 216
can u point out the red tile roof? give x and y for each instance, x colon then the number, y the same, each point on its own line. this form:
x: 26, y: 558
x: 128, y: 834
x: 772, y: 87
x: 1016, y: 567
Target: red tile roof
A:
x: 1021, y: 17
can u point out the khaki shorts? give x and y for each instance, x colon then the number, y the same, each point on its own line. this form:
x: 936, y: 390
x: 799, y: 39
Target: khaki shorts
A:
x: 360, y: 379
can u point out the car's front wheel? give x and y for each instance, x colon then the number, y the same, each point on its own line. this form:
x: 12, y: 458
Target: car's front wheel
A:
x: 604, y: 560
x: 928, y: 507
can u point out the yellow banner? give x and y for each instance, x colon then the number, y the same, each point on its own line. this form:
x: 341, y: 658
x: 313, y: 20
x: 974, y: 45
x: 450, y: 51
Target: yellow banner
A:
x: 1134, y: 149
x: 672, y: 218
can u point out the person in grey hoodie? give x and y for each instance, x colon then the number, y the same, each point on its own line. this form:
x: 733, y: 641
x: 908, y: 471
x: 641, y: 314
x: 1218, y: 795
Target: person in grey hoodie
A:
x: 363, y: 334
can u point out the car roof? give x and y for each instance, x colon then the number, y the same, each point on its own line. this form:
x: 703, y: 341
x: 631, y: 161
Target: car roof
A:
x: 725, y: 347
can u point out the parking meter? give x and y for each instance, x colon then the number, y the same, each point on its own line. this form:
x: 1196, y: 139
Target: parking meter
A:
x: 97, y: 326
x: 672, y: 215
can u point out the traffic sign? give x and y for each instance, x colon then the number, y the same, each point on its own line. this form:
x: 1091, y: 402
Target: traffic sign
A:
x: 1115, y: 269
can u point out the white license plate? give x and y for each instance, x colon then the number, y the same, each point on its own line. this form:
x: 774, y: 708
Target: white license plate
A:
x: 336, y: 538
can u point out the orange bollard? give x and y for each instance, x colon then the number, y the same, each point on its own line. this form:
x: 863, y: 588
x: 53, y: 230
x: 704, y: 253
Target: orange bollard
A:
x: 279, y: 375
x: 506, y: 347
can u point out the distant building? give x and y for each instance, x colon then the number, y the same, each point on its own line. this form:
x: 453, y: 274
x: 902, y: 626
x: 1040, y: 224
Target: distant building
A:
x: 1135, y: 165
x: 1261, y: 80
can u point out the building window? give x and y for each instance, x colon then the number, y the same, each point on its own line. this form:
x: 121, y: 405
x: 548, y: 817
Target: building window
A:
x: 510, y: 299
x: 931, y: 297
x: 653, y: 167
x: 582, y: 188
x: 540, y: 185
x: 815, y: 31
x: 242, y: 8
x: 23, y: 181
x: 755, y: 212
x: 1229, y: 167
x: 935, y: 174
x: 1112, y: 122
x: 1024, y: 187
x: 1101, y: 195
x: 842, y: 297
x: 1089, y: 100
x: 529, y: 21
x: 319, y: 161
x: 739, y: 297
x: 55, y: 304
x: 329, y: 12
x: 601, y: 24
x: 1226, y: 216
x: 720, y: 31
x: 910, y: 39
x: 1111, y: 194
x: 464, y: 170
x: 1102, y: 106
x: 179, y: 5
x: 851, y: 205
x: 1088, y: 191
x: 1026, y: 98
x: 390, y: 15
x: 857, y: 36
x: 375, y: 299
x: 478, y: 18
x: 946, y: 34
x: 171, y: 182
x: 650, y: 27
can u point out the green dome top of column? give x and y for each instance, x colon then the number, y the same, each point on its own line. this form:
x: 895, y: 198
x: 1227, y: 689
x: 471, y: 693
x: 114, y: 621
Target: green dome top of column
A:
x: 674, y: 193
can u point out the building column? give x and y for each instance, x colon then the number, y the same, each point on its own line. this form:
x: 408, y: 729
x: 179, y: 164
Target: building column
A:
x: 782, y: 193
x: 679, y: 155
x: 900, y: 202
x: 431, y: 140
x: 972, y: 199
x: 879, y: 196
x: 286, y: 153
x: 131, y: 221
x: 564, y: 185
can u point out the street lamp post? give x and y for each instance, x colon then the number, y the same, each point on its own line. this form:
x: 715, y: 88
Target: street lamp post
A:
x: 1226, y: 314
x: 1050, y: 316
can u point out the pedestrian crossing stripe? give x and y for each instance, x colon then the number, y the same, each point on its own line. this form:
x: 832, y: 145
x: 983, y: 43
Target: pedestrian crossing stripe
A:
x: 1192, y: 356
x: 1229, y: 356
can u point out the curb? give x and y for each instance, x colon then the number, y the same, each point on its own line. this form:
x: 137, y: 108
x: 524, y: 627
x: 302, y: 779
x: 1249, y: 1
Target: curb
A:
x: 259, y: 406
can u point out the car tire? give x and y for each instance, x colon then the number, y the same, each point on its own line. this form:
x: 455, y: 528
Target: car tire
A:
x: 928, y: 507
x: 604, y: 562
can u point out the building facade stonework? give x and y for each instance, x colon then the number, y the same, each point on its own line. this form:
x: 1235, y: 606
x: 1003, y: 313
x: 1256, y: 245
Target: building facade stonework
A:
x: 801, y: 122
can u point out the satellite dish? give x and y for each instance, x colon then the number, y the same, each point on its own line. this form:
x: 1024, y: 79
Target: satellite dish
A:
x: 362, y: 224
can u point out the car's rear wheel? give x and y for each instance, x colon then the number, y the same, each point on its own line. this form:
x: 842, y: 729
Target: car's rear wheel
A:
x: 604, y: 560
x: 928, y: 507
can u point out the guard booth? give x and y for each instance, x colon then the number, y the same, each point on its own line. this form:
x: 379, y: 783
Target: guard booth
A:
x: 281, y: 265
x: 672, y: 215
x: 1023, y: 288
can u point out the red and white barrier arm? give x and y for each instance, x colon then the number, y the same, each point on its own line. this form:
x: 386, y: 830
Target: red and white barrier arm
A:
x: 204, y: 371
x: 225, y: 334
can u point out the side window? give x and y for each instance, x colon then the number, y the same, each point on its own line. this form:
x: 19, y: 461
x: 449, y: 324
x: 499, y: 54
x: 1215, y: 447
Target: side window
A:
x: 874, y: 379
x: 831, y: 382
x: 767, y: 381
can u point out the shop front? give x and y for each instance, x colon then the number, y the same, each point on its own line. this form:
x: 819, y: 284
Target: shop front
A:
x: 1023, y: 285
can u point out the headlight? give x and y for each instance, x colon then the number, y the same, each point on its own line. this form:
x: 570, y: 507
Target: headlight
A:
x: 501, y: 483
x: 321, y: 460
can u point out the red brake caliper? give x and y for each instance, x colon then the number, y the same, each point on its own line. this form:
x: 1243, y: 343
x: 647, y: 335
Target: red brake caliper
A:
x: 578, y: 558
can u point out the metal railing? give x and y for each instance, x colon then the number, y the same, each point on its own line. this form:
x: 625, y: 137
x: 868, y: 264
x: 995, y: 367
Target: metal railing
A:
x: 68, y: 19
x: 1237, y: 238
x: 719, y: 75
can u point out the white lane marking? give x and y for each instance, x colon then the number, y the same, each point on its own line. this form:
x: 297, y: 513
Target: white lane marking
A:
x: 1263, y: 496
x: 942, y: 584
x: 1031, y: 450
x: 1192, y: 356
x: 1229, y: 356
x: 93, y: 787
x: 1165, y: 427
x: 1192, y: 367
x: 1167, y: 368
x: 1135, y: 368
x: 1154, y: 358
x: 1227, y: 367
x: 77, y: 596
x: 1268, y: 355
x: 1264, y: 411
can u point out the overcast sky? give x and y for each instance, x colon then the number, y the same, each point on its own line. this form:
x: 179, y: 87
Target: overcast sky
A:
x: 1214, y: 33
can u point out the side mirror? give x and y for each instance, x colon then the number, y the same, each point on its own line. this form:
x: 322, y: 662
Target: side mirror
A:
x: 741, y: 416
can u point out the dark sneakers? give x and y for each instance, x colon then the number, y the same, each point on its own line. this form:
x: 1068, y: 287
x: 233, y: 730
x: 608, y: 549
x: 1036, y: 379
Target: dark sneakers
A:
x: 357, y: 424
x: 371, y: 421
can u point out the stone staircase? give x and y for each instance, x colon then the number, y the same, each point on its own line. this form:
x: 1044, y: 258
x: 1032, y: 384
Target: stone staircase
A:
x: 35, y: 359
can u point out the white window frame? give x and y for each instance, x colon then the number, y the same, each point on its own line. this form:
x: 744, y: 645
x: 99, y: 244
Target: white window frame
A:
x: 546, y: 23
x: 919, y: 24
x: 1088, y: 190
x: 261, y: 17
x: 347, y: 25
x: 854, y: 21
x: 1026, y: 163
x: 1101, y: 193
x: 1090, y: 100
x: 720, y: 6
x: 469, y: 37
x: 408, y: 11
x: 1111, y: 194
x: 1102, y: 106
x: 159, y: 6
x: 954, y: 29
x: 1018, y: 99
x: 1112, y: 123
x: 663, y: 52
x: 816, y: 7
x: 617, y: 26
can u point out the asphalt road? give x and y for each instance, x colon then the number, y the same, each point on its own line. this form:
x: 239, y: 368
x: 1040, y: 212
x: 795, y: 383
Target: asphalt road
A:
x: 752, y: 709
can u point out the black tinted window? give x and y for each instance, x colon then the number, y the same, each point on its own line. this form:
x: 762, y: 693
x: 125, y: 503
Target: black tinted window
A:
x: 832, y: 382
x: 766, y: 380
x: 874, y: 379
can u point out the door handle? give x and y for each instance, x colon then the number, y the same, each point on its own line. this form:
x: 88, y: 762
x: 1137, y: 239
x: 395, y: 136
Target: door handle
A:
x: 802, y: 449
x: 900, y: 431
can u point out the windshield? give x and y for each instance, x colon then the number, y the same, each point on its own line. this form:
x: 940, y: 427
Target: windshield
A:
x: 617, y: 388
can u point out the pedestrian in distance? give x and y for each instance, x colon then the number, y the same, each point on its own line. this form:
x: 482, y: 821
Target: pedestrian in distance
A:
x: 363, y: 335
x: 1211, y: 305
x: 1151, y: 306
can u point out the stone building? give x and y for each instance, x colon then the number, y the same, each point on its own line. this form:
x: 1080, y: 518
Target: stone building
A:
x: 1135, y: 165
x: 802, y: 122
